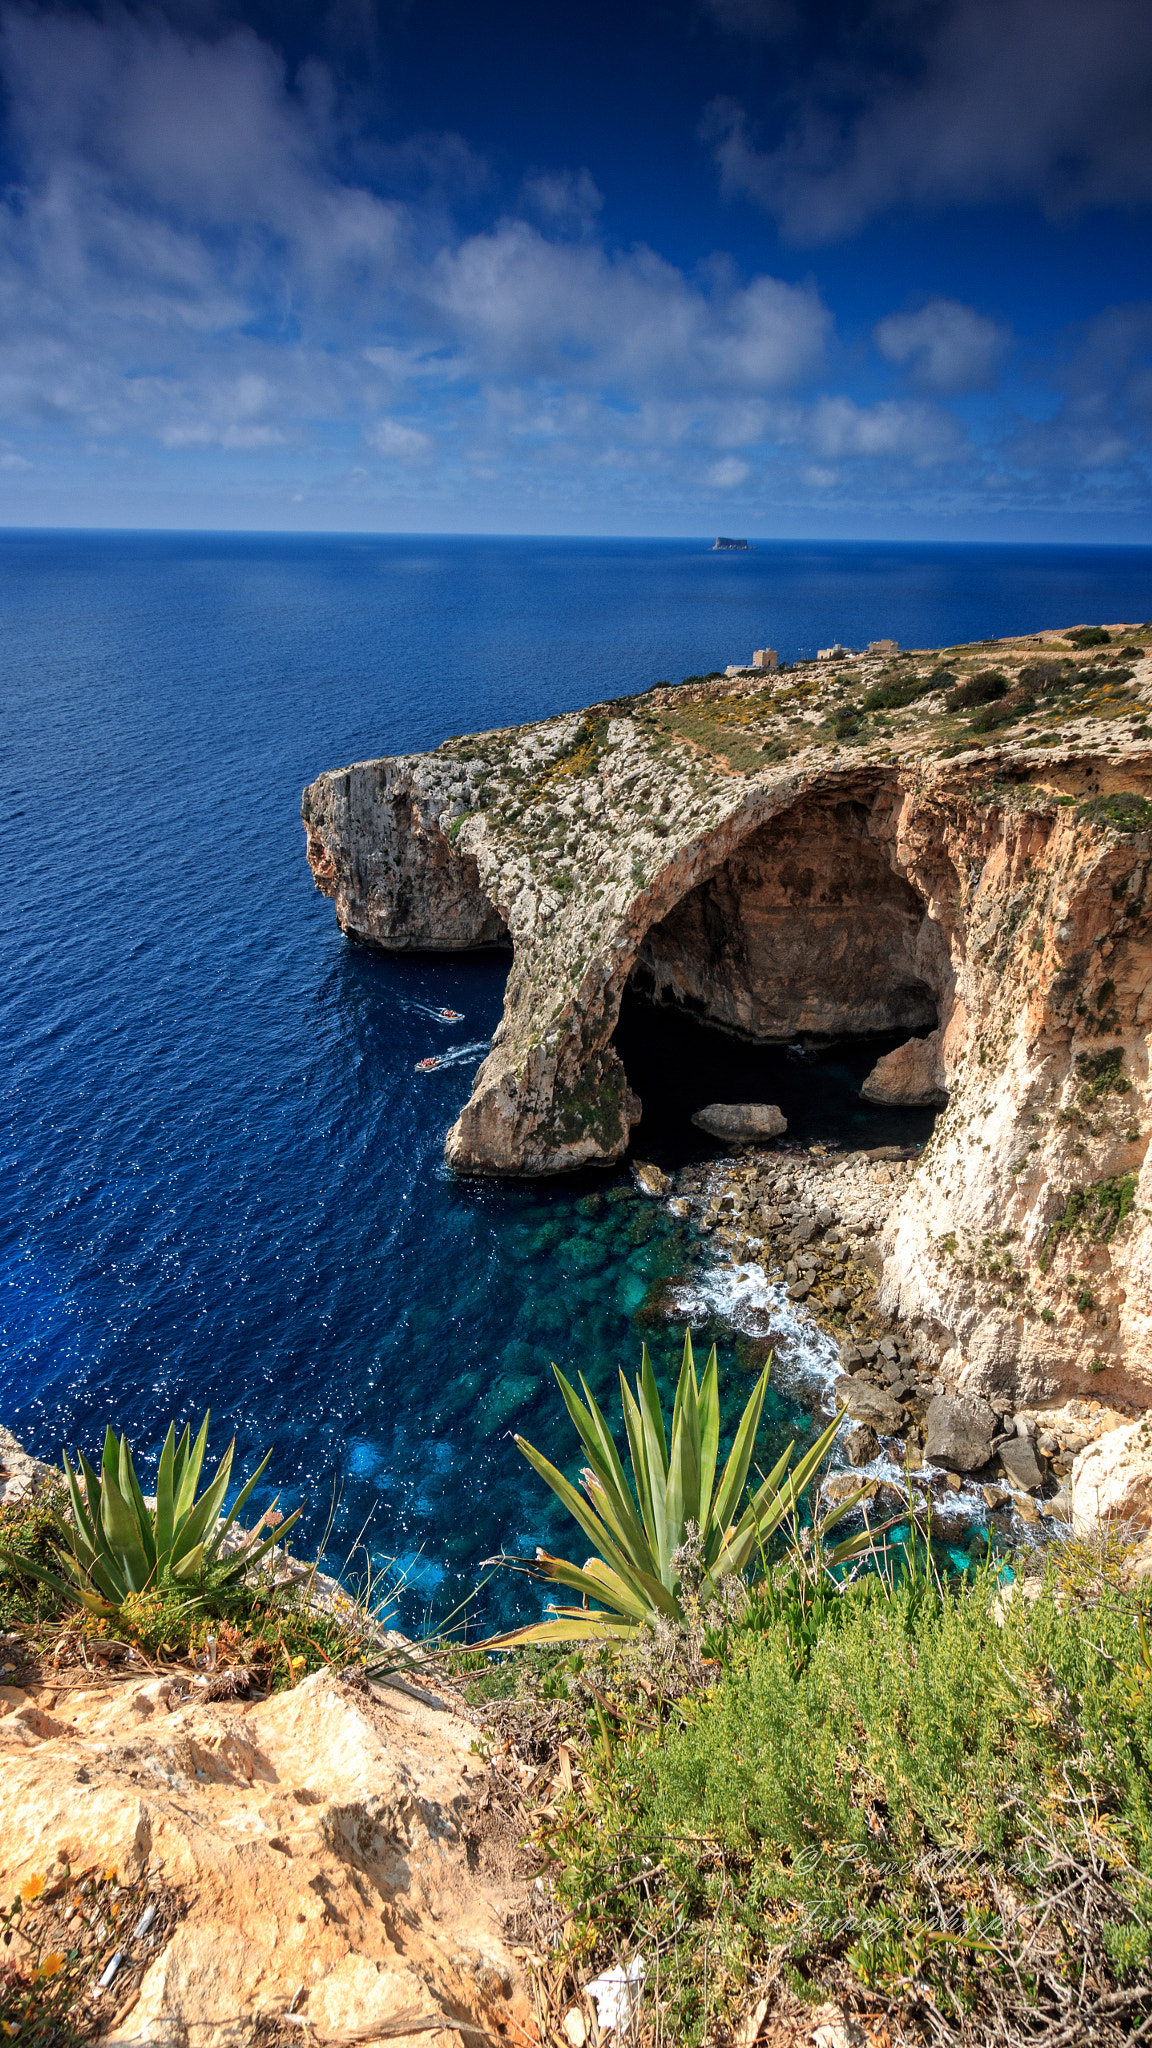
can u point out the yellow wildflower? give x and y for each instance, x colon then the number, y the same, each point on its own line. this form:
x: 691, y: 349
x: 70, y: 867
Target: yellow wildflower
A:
x: 52, y: 1963
x: 31, y: 1890
x: 110, y: 1874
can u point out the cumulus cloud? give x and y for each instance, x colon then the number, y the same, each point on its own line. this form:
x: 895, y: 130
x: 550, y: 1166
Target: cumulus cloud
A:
x: 204, y: 266
x: 956, y: 102
x: 565, y: 202
x: 919, y: 434
x: 728, y: 474
x: 402, y: 443
x: 945, y: 347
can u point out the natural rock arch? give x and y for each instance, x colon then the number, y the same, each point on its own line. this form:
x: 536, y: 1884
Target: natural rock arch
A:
x: 809, y: 926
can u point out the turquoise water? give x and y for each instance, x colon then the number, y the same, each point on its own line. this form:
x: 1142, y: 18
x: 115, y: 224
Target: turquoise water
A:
x: 221, y: 1180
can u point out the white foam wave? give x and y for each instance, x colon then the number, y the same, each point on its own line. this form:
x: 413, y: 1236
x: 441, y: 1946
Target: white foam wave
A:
x: 806, y: 1362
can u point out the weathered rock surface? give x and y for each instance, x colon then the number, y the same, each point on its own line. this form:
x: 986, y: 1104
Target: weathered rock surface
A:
x: 1021, y: 1464
x: 870, y: 1405
x: 959, y: 1433
x: 19, y: 1473
x: 651, y: 1180
x: 321, y: 1839
x: 911, y: 1077
x: 1112, y: 1480
x: 719, y: 848
x: 741, y: 1120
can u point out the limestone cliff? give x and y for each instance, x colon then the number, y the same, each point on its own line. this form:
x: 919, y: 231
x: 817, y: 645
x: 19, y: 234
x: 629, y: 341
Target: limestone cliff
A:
x: 844, y: 848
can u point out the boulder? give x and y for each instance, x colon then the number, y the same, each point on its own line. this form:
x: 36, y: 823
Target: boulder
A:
x: 861, y: 1446
x: 649, y: 1180
x: 871, y: 1405
x: 1112, y: 1479
x: 1021, y: 1465
x: 912, y: 1077
x: 737, y: 1120
x: 959, y: 1432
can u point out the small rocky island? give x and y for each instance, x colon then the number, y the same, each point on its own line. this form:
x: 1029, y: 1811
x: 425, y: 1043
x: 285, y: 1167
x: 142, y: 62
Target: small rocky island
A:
x: 723, y: 544
x: 951, y: 843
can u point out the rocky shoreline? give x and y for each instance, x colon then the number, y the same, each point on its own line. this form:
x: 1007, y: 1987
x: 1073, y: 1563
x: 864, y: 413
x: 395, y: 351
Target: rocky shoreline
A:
x: 814, y: 1222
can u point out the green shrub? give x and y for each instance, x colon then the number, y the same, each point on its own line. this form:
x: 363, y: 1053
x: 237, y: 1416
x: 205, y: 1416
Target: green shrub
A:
x: 1089, y: 636
x: 1126, y: 812
x: 902, y: 1777
x: 1101, y: 1073
x: 1002, y: 713
x: 984, y: 688
x: 1044, y: 676
x: 902, y: 690
x: 1094, y: 1212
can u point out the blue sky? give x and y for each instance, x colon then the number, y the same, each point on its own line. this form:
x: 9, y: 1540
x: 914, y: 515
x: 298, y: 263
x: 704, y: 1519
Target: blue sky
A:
x: 867, y: 267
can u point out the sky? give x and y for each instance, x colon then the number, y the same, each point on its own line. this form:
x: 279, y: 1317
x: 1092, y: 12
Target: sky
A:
x: 759, y: 267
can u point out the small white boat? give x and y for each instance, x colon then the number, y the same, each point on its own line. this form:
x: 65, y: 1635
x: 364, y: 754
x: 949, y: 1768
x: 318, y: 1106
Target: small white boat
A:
x: 426, y: 1066
x: 450, y: 1016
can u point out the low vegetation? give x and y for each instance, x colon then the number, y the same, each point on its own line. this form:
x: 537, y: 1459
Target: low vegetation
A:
x: 87, y: 1579
x: 764, y: 1770
x: 928, y: 1800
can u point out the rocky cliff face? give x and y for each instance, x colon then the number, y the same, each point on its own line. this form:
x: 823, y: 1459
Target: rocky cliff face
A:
x: 328, y: 1851
x: 827, y: 853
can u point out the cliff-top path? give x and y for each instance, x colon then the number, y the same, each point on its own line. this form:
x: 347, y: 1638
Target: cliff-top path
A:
x: 950, y: 841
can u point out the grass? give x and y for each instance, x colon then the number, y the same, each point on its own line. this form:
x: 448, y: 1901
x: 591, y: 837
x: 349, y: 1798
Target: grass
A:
x: 925, y: 1794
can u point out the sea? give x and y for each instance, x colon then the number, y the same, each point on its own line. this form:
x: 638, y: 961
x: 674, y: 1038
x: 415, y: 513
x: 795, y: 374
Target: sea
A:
x: 222, y: 1183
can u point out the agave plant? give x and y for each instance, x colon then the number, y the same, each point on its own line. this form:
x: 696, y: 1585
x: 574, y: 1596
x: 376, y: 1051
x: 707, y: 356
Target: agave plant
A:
x: 638, y: 1535
x: 120, y: 1545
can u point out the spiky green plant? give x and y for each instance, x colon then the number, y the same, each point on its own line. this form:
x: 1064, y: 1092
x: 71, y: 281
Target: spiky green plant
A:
x: 119, y: 1545
x: 638, y: 1536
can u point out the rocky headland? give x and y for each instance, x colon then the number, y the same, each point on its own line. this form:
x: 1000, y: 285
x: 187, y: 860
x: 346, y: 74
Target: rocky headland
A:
x: 953, y: 843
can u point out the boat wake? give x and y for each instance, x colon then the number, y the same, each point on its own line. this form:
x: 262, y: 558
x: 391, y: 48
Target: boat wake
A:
x: 454, y: 1056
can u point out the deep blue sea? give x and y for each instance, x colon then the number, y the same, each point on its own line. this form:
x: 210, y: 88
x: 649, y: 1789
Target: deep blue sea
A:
x: 221, y: 1179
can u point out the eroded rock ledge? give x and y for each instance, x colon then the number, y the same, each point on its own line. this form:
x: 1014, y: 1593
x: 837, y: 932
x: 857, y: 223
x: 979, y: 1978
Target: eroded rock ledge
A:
x: 779, y: 860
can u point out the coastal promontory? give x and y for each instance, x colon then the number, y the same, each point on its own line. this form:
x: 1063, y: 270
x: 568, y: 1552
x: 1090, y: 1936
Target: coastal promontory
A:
x: 951, y: 843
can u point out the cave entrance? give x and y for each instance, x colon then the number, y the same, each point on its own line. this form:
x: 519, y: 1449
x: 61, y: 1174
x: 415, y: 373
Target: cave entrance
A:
x: 783, y: 978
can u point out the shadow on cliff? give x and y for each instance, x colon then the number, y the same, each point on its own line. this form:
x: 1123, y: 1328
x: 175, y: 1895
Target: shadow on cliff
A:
x: 677, y: 1064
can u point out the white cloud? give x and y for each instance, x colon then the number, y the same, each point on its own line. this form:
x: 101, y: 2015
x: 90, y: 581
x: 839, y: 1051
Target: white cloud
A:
x: 946, y: 347
x: 1041, y: 100
x: 728, y: 474
x: 403, y: 444
x: 566, y: 202
x: 910, y: 432
x: 193, y: 279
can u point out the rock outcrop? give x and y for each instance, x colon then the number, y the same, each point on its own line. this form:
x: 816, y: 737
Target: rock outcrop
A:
x: 329, y: 1851
x: 1112, y: 1480
x: 912, y: 1077
x: 777, y: 858
x: 739, y: 1121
